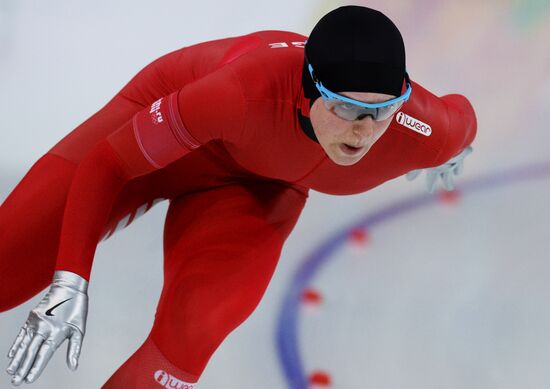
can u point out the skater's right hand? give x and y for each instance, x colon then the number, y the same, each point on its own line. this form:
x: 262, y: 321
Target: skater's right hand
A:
x: 60, y: 315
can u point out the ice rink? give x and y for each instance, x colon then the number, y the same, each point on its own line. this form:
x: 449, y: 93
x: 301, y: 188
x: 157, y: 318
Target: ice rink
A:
x: 406, y: 289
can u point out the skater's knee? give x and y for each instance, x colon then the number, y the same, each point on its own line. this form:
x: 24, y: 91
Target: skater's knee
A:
x: 199, y: 319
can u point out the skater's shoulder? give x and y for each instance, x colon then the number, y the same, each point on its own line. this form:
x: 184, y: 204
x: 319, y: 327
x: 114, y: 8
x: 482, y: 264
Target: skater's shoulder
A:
x: 264, y: 47
x: 267, y: 63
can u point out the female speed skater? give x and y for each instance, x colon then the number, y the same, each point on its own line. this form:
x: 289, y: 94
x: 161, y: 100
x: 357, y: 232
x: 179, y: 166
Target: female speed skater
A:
x: 234, y: 133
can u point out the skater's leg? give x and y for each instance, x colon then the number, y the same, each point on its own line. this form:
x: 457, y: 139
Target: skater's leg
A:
x: 30, y: 224
x: 221, y: 248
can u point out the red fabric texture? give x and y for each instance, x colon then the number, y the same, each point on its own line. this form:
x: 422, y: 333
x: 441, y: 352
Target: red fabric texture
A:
x: 160, y: 133
x: 92, y: 176
x: 148, y: 368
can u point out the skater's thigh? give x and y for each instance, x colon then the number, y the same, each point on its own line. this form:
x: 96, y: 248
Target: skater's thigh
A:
x: 31, y: 219
x: 236, y: 220
x: 221, y: 248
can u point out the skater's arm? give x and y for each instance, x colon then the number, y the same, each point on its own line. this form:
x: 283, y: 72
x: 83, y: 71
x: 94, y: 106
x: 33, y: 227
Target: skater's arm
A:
x: 451, y: 119
x: 462, y: 126
x: 96, y: 183
x: 448, y: 125
x: 210, y: 108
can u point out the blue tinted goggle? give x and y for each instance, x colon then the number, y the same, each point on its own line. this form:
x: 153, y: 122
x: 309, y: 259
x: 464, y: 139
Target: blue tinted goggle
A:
x: 350, y: 109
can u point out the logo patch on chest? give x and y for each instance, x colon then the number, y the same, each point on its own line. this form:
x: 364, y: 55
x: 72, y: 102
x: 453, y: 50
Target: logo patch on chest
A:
x: 413, y: 124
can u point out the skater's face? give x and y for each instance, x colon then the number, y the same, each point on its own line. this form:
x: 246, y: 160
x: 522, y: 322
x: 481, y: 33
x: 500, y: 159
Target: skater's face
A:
x: 346, y: 142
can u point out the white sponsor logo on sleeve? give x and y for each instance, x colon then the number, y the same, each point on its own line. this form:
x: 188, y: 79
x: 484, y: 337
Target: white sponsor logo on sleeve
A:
x: 156, y: 115
x: 413, y: 124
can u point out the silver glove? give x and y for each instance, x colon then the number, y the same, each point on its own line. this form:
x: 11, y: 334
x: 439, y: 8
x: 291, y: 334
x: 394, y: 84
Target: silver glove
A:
x: 61, y: 314
x: 454, y: 165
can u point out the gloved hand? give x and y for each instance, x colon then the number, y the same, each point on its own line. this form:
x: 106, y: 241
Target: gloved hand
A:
x: 454, y: 165
x: 61, y: 314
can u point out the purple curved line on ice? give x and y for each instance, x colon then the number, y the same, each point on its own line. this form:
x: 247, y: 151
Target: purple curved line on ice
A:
x: 287, y: 328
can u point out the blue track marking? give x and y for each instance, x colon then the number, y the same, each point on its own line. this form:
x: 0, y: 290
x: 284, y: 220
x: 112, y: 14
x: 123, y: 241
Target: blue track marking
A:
x: 286, y: 337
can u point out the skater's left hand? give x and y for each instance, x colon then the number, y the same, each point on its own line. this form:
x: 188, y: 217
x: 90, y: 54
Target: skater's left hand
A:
x: 454, y: 165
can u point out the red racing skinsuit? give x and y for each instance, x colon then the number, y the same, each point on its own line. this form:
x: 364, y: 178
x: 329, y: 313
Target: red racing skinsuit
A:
x: 221, y: 130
